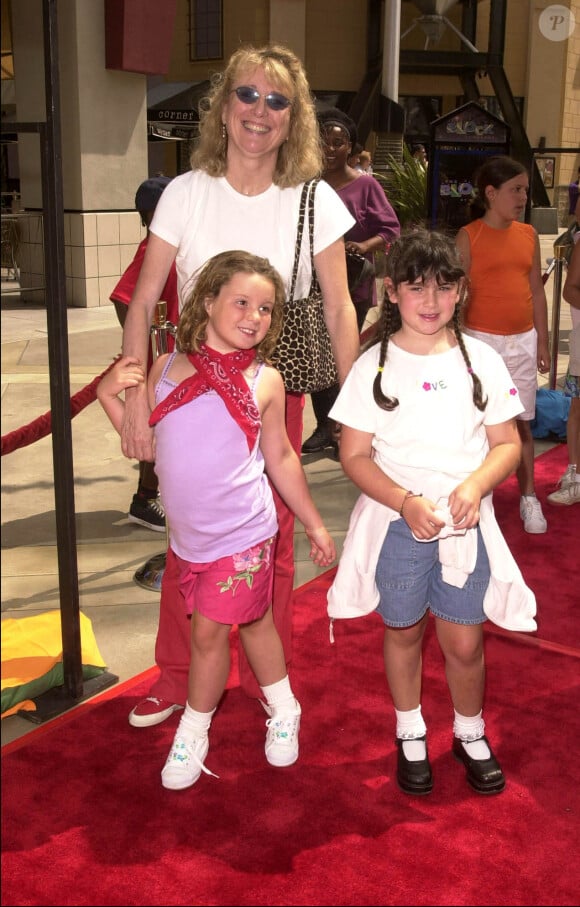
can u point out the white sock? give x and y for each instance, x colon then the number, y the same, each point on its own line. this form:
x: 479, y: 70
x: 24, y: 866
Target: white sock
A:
x: 410, y: 726
x: 470, y: 731
x: 279, y: 696
x: 194, y: 724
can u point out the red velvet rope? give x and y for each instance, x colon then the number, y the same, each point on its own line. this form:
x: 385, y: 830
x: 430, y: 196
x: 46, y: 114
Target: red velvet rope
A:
x: 42, y: 426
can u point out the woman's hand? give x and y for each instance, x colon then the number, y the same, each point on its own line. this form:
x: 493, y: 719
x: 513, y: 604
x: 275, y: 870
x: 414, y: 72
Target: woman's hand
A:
x: 136, y: 433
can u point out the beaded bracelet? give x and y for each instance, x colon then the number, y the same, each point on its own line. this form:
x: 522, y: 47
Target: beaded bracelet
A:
x: 409, y: 494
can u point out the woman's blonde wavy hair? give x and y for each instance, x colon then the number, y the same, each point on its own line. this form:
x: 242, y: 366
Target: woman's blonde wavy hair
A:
x: 300, y: 157
x: 209, y: 280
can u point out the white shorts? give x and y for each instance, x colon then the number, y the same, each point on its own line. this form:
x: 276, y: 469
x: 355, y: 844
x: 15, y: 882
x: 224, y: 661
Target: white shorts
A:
x: 520, y: 354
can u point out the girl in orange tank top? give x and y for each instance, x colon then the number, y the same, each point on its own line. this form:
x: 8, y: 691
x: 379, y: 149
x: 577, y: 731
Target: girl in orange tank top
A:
x: 507, y: 305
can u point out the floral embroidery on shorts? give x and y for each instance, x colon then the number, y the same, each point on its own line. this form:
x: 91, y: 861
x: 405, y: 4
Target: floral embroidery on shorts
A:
x: 247, y: 563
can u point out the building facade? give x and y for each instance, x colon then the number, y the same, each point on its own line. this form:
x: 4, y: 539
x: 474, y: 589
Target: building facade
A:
x: 111, y: 57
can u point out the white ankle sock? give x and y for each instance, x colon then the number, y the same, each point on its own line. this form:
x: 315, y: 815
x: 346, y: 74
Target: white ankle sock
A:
x: 279, y: 696
x: 194, y: 724
x: 410, y: 726
x: 470, y: 731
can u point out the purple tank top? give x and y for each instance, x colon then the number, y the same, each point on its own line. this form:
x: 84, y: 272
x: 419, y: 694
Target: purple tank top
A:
x: 216, y: 496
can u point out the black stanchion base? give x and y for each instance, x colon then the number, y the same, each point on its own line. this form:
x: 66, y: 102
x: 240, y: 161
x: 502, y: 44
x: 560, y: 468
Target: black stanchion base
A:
x: 56, y: 701
x: 151, y: 573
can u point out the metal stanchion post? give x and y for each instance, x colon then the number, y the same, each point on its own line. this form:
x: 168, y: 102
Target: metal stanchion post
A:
x: 559, y: 262
x: 150, y: 575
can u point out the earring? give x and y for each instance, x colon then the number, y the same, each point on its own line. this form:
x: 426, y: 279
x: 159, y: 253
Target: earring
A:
x: 224, y: 132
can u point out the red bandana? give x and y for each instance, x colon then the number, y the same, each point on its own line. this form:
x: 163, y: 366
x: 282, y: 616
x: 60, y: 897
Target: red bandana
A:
x: 222, y: 373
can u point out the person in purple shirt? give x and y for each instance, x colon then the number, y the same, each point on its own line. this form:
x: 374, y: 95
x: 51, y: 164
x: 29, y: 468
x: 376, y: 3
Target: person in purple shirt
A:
x: 376, y: 227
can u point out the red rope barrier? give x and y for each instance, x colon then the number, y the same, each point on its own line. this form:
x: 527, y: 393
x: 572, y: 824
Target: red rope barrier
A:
x: 42, y: 426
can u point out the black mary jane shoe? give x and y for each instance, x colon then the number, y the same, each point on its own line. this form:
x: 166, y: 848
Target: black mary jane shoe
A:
x: 483, y: 775
x: 413, y: 777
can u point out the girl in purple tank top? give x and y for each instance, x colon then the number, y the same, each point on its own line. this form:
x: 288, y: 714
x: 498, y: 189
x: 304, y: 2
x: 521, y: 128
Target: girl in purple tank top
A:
x: 217, y: 406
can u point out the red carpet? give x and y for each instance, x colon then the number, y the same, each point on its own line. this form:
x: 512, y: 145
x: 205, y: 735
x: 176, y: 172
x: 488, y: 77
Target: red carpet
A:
x: 85, y: 819
x: 549, y: 562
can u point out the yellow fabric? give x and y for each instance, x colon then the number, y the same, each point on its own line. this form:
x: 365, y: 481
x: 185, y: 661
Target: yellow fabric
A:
x: 32, y: 648
x: 27, y: 706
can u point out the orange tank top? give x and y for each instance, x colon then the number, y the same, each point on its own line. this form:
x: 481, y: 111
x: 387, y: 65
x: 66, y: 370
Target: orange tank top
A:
x: 500, y: 295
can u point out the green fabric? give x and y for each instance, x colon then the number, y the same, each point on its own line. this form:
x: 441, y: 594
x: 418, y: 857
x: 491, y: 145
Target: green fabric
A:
x: 11, y: 696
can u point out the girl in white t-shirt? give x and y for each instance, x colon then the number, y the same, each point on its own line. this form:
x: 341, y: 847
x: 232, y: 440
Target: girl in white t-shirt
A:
x: 428, y: 430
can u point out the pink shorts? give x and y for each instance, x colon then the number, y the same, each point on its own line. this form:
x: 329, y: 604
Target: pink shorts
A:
x: 232, y: 590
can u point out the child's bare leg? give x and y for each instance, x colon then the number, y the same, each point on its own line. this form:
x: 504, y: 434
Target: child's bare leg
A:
x: 525, y: 471
x: 210, y: 662
x: 462, y: 646
x: 208, y: 673
x: 265, y: 655
x: 402, y: 652
x: 263, y: 649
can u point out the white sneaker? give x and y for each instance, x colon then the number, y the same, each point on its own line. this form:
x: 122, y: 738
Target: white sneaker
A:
x: 566, y: 494
x: 282, y: 737
x: 531, y: 514
x: 568, y: 478
x: 184, y: 764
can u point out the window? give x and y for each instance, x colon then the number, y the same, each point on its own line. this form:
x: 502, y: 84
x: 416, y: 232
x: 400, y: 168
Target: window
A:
x: 205, y: 30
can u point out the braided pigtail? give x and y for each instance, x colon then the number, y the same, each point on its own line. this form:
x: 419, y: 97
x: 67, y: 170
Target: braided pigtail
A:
x: 390, y: 321
x: 478, y: 400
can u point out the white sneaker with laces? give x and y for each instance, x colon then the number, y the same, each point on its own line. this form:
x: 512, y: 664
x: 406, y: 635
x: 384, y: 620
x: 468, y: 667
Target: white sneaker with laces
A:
x: 566, y: 494
x: 568, y: 478
x: 282, y: 737
x: 184, y: 764
x: 531, y: 513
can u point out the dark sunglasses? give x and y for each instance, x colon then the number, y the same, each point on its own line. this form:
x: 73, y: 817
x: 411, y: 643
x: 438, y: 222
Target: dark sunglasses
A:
x: 274, y: 100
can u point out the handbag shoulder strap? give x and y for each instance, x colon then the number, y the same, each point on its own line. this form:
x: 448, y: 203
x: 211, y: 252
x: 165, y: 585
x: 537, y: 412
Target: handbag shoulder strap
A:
x: 308, y: 185
x: 314, y: 286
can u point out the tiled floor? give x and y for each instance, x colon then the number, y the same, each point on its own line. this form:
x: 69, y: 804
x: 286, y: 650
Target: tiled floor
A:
x: 109, y: 548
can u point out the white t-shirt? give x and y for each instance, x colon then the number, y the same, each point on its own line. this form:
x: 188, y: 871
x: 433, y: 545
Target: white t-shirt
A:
x: 202, y: 215
x: 436, y: 436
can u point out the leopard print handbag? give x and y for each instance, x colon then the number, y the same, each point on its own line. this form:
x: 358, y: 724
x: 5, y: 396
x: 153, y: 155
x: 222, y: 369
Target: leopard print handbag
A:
x: 303, y: 354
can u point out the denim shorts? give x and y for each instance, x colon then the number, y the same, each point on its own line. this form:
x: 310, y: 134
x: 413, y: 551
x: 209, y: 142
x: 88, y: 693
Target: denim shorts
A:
x: 409, y: 581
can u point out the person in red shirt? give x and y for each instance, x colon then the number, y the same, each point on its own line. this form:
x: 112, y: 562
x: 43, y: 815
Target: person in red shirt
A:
x: 146, y: 508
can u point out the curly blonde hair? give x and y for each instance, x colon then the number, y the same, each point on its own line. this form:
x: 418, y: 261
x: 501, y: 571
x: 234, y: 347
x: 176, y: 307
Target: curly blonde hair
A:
x: 209, y: 280
x: 300, y: 157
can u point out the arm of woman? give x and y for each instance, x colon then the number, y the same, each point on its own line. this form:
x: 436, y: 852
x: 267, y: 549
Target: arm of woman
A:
x: 136, y: 436
x: 571, y: 290
x: 372, y: 244
x: 376, y: 218
x: 540, y: 305
x: 339, y: 312
x: 285, y: 470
